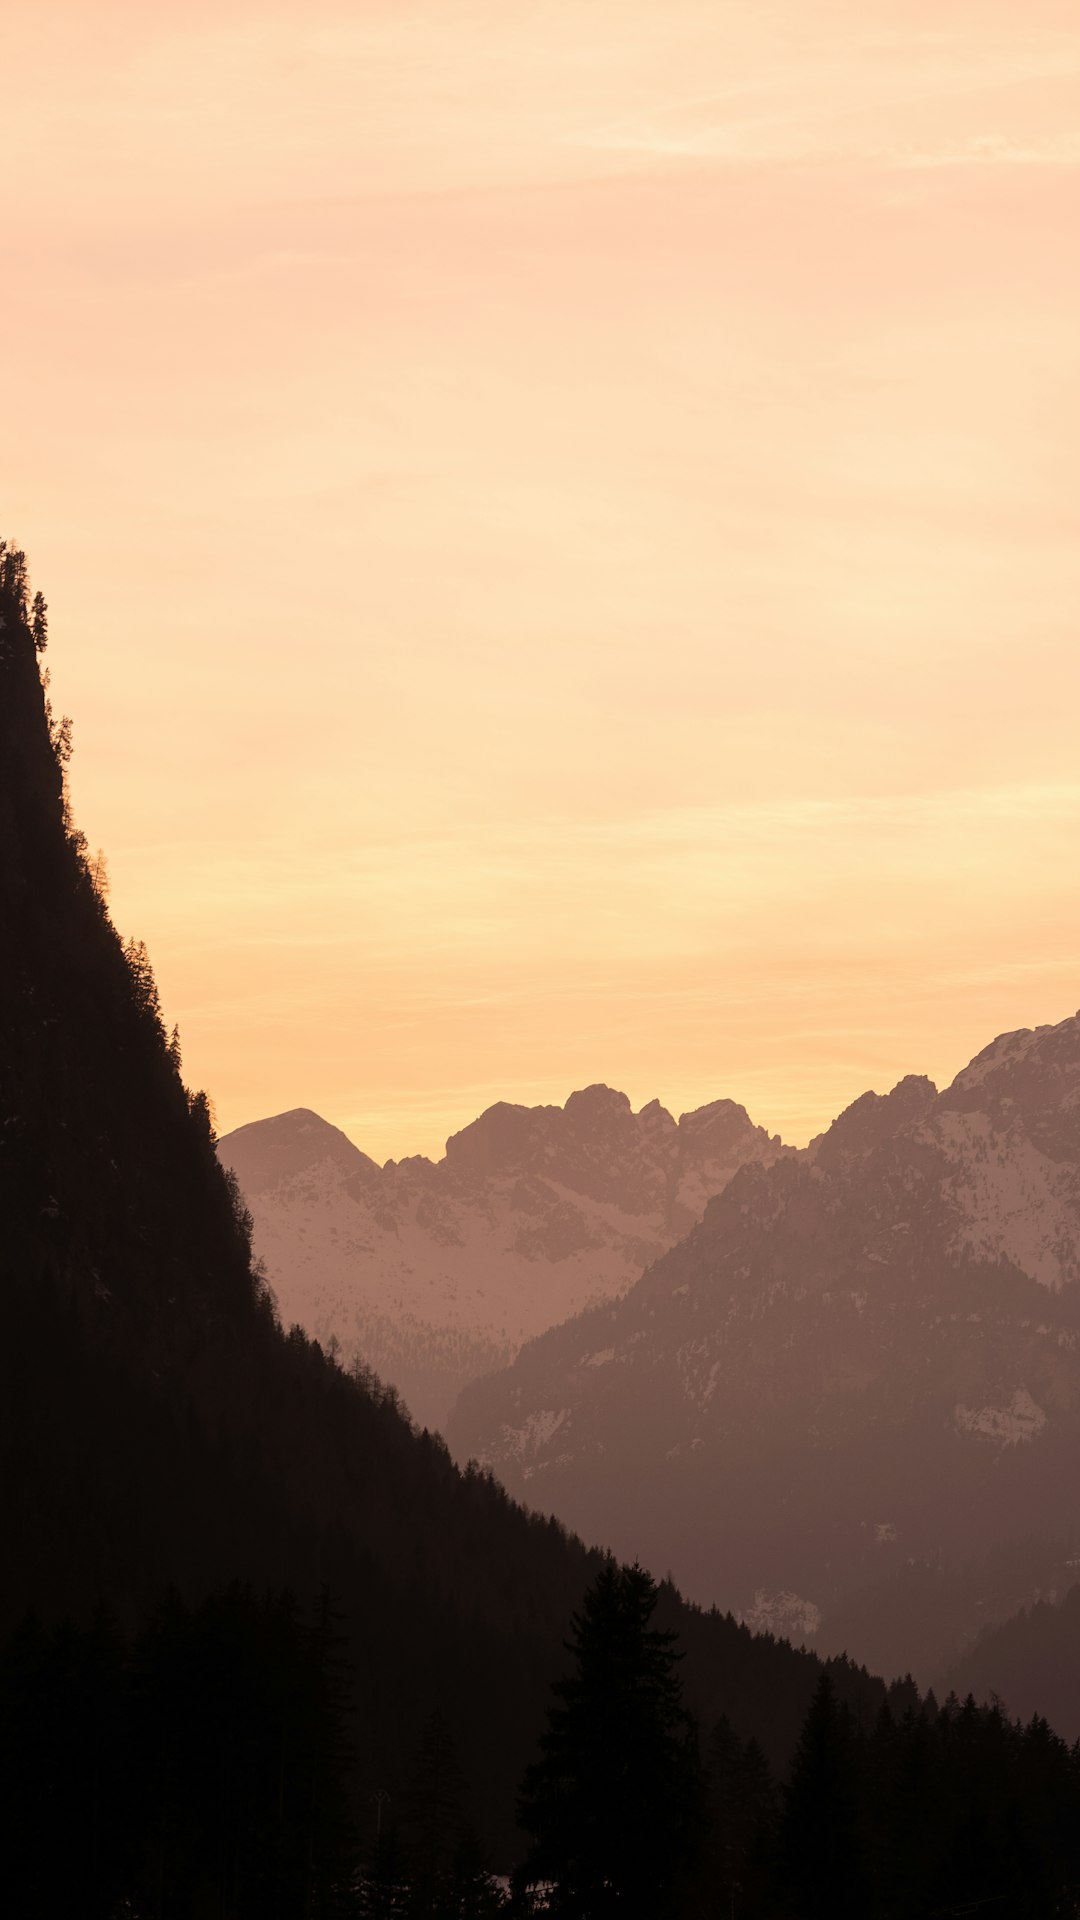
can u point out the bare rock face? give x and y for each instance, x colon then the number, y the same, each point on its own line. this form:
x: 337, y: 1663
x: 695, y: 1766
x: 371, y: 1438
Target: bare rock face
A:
x: 866, y: 1357
x: 434, y: 1273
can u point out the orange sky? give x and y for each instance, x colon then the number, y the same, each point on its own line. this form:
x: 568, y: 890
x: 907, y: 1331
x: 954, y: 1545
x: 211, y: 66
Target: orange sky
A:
x: 561, y: 532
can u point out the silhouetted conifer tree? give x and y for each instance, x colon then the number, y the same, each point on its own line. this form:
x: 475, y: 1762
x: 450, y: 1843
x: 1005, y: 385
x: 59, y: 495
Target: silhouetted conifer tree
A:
x: 471, y: 1892
x: 384, y: 1889
x: 739, y: 1823
x: 145, y: 987
x: 434, y: 1815
x: 611, y: 1804
x: 822, y: 1836
x: 39, y: 622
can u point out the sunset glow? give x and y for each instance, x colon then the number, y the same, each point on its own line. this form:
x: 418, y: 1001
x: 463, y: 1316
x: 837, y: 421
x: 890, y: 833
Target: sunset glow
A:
x: 560, y: 528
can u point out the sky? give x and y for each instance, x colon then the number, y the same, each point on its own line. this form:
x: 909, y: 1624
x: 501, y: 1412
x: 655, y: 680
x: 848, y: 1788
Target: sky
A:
x: 560, y: 525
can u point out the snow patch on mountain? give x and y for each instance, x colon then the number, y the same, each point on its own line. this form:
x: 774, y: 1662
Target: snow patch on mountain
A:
x: 786, y: 1615
x: 1006, y: 1050
x: 535, y: 1432
x: 1009, y: 1426
x: 1014, y: 1202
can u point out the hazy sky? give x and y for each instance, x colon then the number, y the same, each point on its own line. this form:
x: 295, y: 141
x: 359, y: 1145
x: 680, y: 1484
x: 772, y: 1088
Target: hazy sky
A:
x: 561, y: 524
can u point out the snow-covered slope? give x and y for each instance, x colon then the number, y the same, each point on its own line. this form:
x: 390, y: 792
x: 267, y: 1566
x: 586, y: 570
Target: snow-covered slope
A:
x: 435, y: 1272
x: 865, y: 1354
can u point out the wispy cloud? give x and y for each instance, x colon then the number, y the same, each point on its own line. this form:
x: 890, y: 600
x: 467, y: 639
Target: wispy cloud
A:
x: 776, y: 140
x: 992, y: 150
x: 913, y: 98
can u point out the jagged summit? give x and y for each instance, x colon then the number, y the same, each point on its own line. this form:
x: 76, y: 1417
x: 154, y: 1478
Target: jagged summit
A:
x: 1028, y: 1081
x: 875, y: 1118
x: 502, y: 1135
x: 721, y: 1122
x: 1050, y: 1043
x: 437, y: 1271
x: 506, y: 1131
x: 594, y: 1133
x: 596, y: 1100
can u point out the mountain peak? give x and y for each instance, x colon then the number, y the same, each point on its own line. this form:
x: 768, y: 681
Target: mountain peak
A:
x: 507, y: 1134
x: 720, y: 1126
x: 596, y: 1101
x: 1056, y: 1048
x: 266, y: 1151
x: 496, y: 1137
x: 874, y: 1119
x: 1033, y: 1076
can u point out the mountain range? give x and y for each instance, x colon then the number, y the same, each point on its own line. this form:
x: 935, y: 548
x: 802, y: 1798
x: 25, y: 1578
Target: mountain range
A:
x: 853, y: 1381
x: 436, y: 1272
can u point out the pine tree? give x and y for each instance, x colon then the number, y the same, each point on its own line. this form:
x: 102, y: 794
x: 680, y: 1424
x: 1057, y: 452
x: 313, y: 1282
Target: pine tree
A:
x: 384, y: 1891
x: 740, y: 1817
x: 611, y: 1803
x: 434, y: 1816
x: 39, y: 622
x: 822, y: 1830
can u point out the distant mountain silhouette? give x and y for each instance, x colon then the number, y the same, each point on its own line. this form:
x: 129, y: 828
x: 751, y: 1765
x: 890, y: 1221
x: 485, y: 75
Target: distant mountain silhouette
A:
x: 1031, y: 1661
x: 159, y: 1431
x: 436, y: 1272
x: 866, y: 1355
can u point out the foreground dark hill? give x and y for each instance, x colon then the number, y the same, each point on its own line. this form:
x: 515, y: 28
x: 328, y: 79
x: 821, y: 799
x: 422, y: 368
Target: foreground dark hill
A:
x: 437, y: 1271
x: 864, y: 1357
x: 158, y: 1428
x: 1032, y: 1658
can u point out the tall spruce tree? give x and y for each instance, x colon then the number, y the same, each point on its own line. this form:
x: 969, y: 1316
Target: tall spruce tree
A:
x: 435, y: 1818
x: 739, y: 1822
x: 611, y: 1804
x: 822, y: 1830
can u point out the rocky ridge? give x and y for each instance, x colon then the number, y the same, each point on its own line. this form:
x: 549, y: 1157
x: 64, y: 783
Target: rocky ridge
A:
x: 866, y: 1356
x: 435, y: 1272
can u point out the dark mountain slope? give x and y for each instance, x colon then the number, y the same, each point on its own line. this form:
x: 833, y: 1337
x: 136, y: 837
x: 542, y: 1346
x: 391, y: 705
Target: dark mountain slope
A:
x: 863, y: 1356
x: 1032, y: 1662
x: 156, y: 1425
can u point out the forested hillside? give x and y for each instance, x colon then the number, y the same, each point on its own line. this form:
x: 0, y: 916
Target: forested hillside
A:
x: 158, y: 1428
x: 1032, y: 1661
